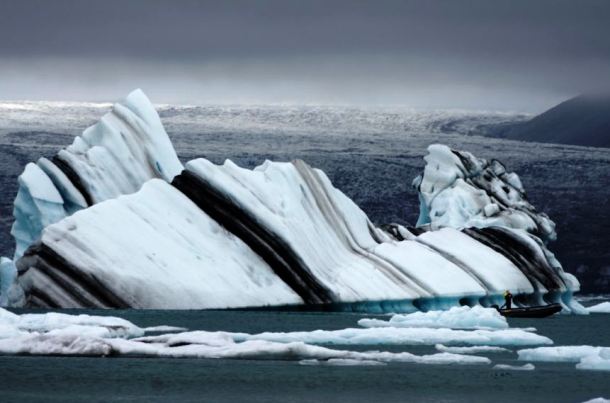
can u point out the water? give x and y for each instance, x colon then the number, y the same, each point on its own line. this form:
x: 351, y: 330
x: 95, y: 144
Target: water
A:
x: 26, y: 378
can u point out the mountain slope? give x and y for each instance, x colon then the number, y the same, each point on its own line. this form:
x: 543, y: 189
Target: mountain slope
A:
x: 583, y: 120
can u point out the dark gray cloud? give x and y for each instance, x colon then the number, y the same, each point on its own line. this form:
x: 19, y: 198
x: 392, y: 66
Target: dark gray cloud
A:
x: 498, y: 54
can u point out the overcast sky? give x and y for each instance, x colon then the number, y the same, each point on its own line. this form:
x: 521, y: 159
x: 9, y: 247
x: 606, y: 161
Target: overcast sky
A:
x: 507, y: 55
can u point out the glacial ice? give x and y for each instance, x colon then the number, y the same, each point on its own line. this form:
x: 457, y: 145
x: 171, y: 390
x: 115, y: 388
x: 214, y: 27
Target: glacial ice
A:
x: 127, y: 147
x: 216, y: 268
x: 463, y: 317
x: 458, y: 190
x: 603, y: 307
x: 223, y: 236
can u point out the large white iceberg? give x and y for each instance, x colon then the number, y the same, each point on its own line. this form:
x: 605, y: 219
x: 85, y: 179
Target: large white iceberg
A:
x: 104, y: 227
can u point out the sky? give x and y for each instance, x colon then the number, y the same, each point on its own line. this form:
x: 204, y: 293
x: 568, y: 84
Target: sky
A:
x: 483, y: 54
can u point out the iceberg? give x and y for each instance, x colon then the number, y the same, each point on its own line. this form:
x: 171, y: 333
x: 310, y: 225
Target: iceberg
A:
x: 116, y: 156
x: 154, y: 234
x: 126, y: 148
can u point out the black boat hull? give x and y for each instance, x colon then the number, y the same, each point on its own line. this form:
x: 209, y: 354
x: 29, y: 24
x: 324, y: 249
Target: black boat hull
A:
x: 531, y: 312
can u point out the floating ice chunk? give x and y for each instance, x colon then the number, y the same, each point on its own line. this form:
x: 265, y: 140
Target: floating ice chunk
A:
x: 526, y: 367
x: 369, y: 336
x: 117, y: 327
x: 559, y: 353
x: 57, y: 344
x: 64, y: 324
x: 598, y: 400
x: 596, y: 362
x: 62, y: 334
x: 347, y: 362
x: 603, y: 307
x: 164, y: 328
x: 471, y: 350
x: 463, y: 317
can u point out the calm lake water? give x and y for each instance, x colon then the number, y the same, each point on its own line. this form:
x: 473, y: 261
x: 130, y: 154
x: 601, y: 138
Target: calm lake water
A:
x: 78, y: 379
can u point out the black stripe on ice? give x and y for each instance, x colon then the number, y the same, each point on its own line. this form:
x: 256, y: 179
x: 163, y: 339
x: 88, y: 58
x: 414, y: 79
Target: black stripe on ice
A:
x: 528, y: 259
x: 84, y: 288
x: 287, y: 264
x: 74, y: 178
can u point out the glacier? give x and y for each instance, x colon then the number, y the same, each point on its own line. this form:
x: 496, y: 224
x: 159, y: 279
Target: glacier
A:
x: 116, y: 221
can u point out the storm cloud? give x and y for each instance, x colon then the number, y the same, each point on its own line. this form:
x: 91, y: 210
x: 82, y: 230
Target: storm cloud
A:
x: 519, y: 55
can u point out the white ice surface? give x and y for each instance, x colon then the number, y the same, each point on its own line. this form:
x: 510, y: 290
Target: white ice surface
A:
x: 341, y: 247
x: 603, y: 307
x: 157, y: 249
x: 60, y: 323
x: 127, y: 147
x: 463, y: 317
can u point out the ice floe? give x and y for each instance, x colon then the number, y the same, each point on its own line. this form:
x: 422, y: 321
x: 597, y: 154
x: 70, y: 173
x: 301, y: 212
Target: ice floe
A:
x: 525, y: 367
x: 463, y: 317
x: 62, y: 334
x: 603, y: 307
x: 471, y: 349
x: 586, y: 357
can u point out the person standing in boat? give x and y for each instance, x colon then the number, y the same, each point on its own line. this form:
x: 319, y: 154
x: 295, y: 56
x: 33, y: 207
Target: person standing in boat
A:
x: 508, y: 300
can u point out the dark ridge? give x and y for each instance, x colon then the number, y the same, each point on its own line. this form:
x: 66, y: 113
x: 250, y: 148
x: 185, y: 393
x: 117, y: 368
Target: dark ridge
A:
x: 520, y: 254
x: 74, y: 178
x: 269, y: 246
x: 40, y: 257
x: 583, y: 120
x: 392, y: 229
x: 465, y: 161
x: 39, y: 299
